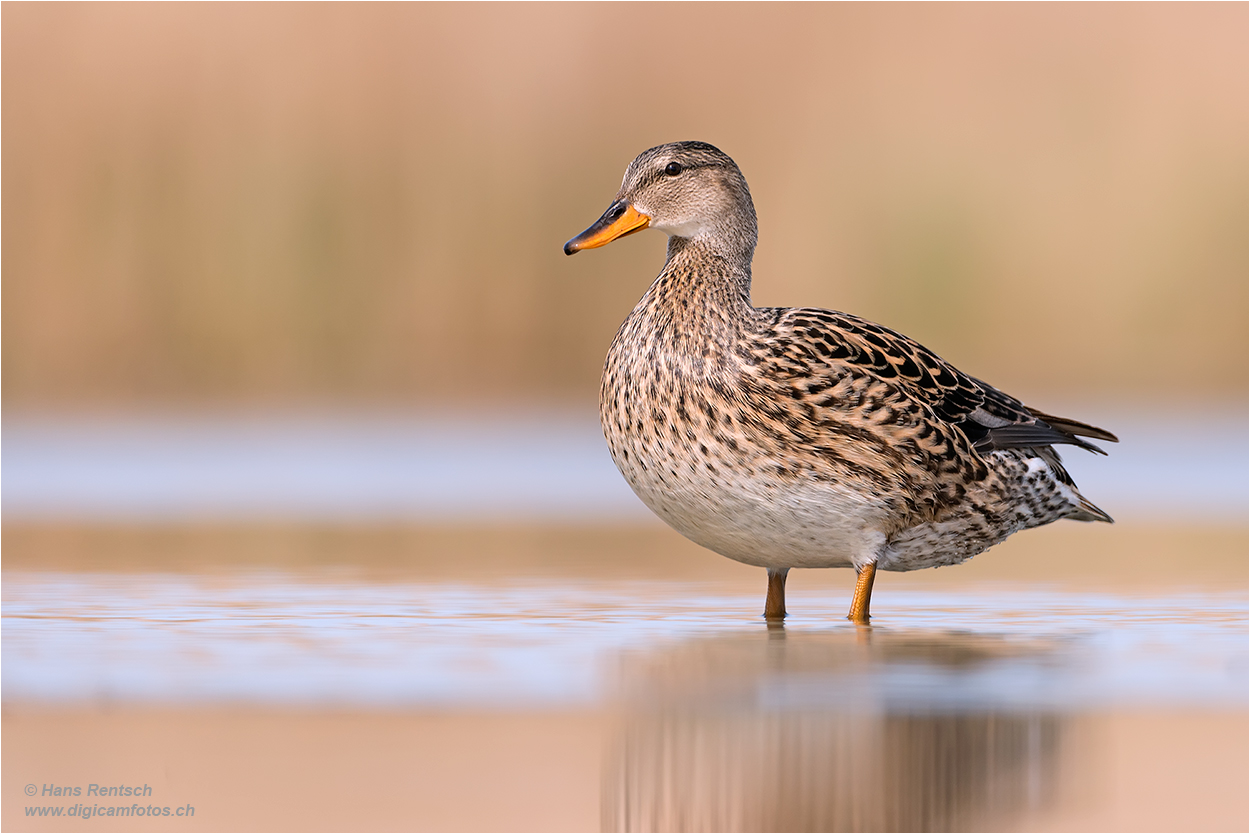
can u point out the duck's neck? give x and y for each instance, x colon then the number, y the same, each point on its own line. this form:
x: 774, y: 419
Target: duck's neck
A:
x: 700, y: 275
x: 698, y: 306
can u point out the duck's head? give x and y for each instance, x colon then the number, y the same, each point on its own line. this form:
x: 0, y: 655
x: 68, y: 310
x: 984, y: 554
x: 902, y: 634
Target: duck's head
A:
x: 688, y: 190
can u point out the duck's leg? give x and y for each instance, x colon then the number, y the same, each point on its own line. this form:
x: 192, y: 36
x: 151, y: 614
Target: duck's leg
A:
x: 863, y: 594
x: 775, y: 604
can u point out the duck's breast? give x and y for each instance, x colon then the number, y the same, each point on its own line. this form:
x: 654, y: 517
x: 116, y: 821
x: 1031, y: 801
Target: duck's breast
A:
x: 688, y: 433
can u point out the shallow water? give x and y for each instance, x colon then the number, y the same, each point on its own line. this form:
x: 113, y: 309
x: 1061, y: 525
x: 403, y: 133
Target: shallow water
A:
x: 318, y: 639
x: 993, y: 707
x: 171, y: 617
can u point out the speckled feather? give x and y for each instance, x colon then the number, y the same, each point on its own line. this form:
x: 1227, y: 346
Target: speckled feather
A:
x: 799, y: 437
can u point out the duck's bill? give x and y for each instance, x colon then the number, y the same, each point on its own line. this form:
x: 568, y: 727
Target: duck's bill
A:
x: 619, y: 220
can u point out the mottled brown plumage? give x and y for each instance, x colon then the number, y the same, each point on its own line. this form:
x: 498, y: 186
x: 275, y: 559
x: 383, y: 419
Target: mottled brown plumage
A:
x: 799, y: 437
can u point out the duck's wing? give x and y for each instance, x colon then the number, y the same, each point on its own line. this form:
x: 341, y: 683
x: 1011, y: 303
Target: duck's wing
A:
x: 989, y: 418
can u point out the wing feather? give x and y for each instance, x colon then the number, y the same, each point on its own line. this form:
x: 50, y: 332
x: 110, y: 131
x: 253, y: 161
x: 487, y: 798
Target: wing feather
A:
x: 988, y: 417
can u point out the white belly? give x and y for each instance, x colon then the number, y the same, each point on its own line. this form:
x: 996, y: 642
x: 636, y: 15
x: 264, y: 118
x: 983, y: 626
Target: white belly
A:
x: 756, y: 520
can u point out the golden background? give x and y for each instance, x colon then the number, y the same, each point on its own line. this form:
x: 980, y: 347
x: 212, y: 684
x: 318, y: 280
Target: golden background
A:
x: 365, y: 204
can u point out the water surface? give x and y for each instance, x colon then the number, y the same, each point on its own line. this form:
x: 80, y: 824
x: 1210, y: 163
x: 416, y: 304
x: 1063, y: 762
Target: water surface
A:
x: 323, y: 639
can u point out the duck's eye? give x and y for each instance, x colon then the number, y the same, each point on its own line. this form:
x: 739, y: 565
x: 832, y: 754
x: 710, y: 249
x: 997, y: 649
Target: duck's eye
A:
x: 673, y: 169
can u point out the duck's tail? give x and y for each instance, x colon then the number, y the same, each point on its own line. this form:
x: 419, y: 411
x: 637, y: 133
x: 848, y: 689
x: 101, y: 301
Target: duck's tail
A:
x: 1084, y: 509
x: 1088, y: 511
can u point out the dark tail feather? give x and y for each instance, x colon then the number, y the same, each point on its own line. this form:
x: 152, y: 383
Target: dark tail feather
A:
x: 1025, y: 435
x: 1085, y: 510
x: 1089, y: 512
x: 1075, y: 427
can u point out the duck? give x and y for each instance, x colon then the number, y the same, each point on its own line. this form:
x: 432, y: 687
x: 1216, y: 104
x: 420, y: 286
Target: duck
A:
x: 798, y: 437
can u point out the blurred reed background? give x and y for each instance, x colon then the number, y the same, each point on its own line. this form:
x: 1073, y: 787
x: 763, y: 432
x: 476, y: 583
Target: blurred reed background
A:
x: 364, y: 205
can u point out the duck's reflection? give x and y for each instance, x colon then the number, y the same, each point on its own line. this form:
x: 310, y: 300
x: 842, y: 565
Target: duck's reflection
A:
x: 847, y: 731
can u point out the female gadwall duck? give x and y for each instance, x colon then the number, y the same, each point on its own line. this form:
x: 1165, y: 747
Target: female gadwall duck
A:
x: 794, y: 437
